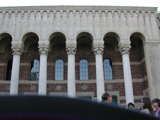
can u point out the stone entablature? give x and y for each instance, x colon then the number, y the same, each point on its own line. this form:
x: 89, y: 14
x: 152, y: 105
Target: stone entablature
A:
x: 72, y: 20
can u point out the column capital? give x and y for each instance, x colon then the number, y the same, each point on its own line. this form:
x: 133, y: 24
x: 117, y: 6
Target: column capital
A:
x: 43, y: 47
x: 17, y: 48
x: 124, y: 49
x: 71, y: 50
x: 98, y: 50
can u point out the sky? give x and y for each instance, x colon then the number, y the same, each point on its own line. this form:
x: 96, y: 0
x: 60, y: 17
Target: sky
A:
x: 144, y: 3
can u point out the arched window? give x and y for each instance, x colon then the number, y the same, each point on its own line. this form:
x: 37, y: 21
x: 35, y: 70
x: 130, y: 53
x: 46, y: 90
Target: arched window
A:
x: 59, y: 70
x: 9, y: 69
x: 107, y: 70
x: 34, y: 70
x: 83, y: 69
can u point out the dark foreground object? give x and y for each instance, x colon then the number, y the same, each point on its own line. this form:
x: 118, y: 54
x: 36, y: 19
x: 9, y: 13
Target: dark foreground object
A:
x: 63, y: 108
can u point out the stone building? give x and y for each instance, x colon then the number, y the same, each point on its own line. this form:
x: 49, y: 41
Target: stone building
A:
x: 80, y: 51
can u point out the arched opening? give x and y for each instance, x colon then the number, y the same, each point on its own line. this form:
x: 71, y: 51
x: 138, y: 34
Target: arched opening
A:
x: 57, y: 52
x: 5, y: 56
x: 84, y: 51
x: 111, y: 53
x: 138, y: 64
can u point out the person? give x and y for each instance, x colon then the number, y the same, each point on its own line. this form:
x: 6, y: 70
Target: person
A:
x: 146, y: 106
x: 106, y: 97
x: 130, y: 105
x: 156, y: 105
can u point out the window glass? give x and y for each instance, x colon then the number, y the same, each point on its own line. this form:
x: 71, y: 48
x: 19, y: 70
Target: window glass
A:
x: 83, y: 69
x: 114, y: 99
x: 107, y: 70
x: 35, y: 70
x: 59, y: 70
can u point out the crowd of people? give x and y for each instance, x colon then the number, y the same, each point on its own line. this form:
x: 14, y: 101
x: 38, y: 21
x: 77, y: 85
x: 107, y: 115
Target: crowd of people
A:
x: 148, y: 106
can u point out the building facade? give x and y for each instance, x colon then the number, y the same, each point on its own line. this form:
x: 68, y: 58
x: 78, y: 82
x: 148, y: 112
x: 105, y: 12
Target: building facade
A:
x: 80, y: 51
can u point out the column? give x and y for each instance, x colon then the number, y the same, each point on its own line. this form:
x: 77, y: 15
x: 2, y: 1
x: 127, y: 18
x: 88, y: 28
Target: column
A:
x: 71, y: 51
x: 15, y: 71
x: 99, y: 72
x: 42, y: 89
x: 127, y: 74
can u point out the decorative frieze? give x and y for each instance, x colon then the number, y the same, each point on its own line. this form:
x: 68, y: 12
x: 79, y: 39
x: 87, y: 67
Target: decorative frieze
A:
x: 58, y: 14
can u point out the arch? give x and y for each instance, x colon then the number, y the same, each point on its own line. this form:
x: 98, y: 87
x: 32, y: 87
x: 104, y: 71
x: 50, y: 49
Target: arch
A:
x: 5, y: 41
x: 59, y: 69
x: 30, y: 39
x: 116, y: 34
x: 52, y: 34
x: 57, y: 38
x: 112, y: 39
x: 83, y: 69
x: 138, y: 35
x: 5, y: 34
x: 80, y: 33
x: 84, y: 37
x: 29, y: 34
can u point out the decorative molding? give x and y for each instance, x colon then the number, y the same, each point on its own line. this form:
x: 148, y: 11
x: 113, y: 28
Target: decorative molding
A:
x: 98, y: 50
x: 124, y: 49
x: 43, y: 48
x: 71, y: 50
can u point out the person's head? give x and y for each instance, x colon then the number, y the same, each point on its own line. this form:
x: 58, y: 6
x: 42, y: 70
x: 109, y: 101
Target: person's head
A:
x: 156, y: 103
x: 146, y: 104
x: 106, y: 97
x: 131, y: 105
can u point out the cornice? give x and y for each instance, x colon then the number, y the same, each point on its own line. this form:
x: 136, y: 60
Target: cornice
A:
x: 121, y: 8
x: 74, y: 9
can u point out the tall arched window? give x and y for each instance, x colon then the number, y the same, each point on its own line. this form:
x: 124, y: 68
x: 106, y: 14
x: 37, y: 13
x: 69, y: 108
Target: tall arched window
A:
x: 9, y: 69
x: 107, y: 70
x: 59, y: 70
x: 83, y: 69
x: 35, y: 70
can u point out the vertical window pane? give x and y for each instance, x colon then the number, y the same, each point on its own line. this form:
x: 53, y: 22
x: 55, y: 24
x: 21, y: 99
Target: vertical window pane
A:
x: 35, y: 70
x: 83, y: 69
x: 59, y: 70
x: 9, y: 69
x: 107, y: 70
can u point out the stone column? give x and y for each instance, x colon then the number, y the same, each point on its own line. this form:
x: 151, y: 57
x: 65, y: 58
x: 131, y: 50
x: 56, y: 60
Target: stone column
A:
x: 15, y: 70
x: 99, y: 72
x: 127, y: 74
x: 71, y: 51
x: 42, y: 89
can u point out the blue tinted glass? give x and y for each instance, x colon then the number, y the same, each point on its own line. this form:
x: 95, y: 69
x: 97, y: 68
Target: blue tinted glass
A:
x: 59, y: 70
x: 83, y: 69
x: 35, y: 70
x: 107, y: 70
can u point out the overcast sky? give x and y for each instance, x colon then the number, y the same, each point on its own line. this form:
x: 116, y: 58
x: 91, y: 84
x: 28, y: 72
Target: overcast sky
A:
x: 145, y: 3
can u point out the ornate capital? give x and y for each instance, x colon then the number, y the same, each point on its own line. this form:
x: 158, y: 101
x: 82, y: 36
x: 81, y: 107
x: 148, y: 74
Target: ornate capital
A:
x: 43, y: 48
x: 17, y: 48
x: 17, y: 51
x: 71, y: 50
x: 125, y: 50
x: 98, y: 50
